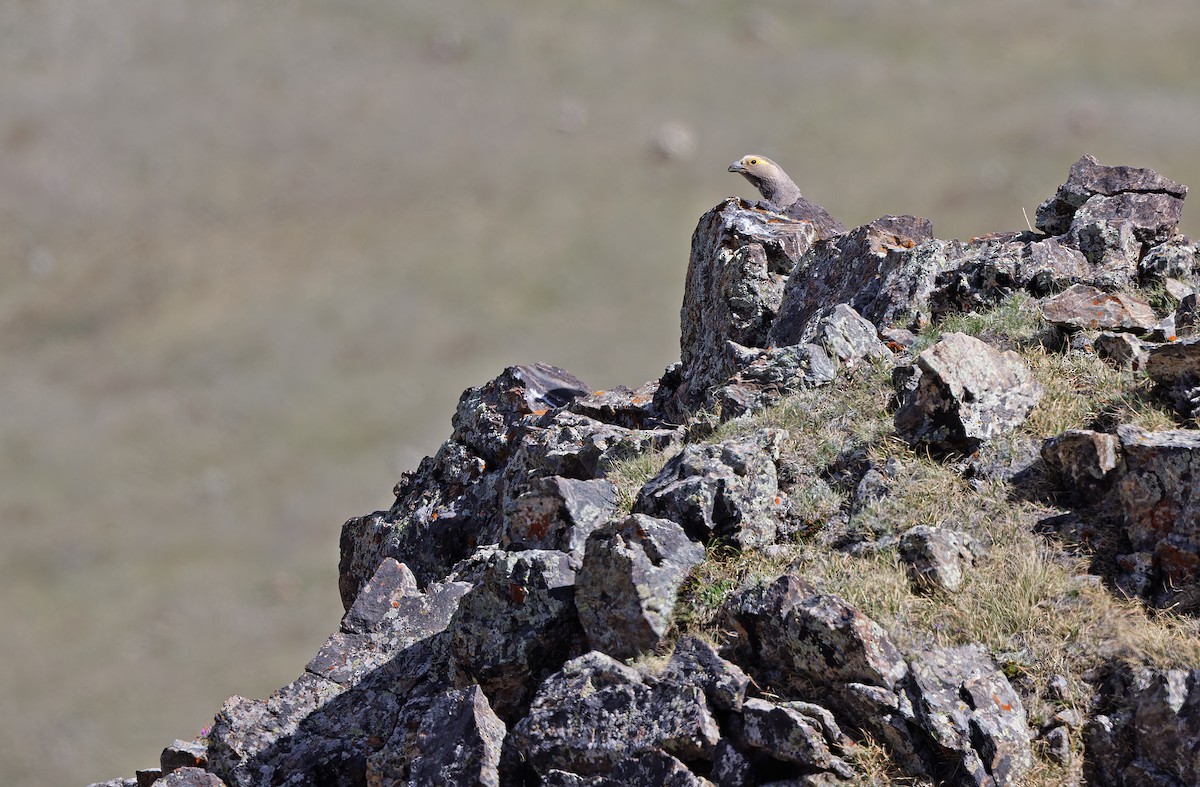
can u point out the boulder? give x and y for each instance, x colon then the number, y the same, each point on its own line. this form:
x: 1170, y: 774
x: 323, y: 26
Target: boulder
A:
x: 1085, y: 307
x: 727, y: 490
x: 632, y: 571
x: 797, y: 733
x: 558, y: 513
x: 937, y: 557
x: 1142, y: 196
x: 695, y: 662
x: 762, y: 378
x: 848, y: 337
x: 596, y: 713
x: 984, y: 271
x: 884, y: 270
x: 458, y: 742
x: 515, y: 626
x: 961, y: 392
x: 1121, y: 349
x: 1084, y: 460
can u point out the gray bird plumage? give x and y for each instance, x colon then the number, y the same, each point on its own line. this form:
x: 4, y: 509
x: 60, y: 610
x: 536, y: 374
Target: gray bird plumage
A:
x: 783, y: 195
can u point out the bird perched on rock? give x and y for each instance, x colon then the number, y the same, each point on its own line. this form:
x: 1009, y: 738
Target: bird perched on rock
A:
x: 784, y: 196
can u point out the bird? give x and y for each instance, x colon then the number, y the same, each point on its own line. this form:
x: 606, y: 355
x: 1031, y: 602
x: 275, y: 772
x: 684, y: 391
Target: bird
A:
x: 783, y: 195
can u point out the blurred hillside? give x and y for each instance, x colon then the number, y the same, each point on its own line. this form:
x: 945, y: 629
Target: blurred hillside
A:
x: 250, y: 254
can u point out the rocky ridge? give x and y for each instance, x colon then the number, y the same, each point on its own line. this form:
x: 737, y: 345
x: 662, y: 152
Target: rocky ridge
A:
x: 515, y: 616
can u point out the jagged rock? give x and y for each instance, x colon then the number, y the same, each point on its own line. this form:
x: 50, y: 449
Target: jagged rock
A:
x: 558, y: 513
x: 1151, y: 735
x: 343, y: 708
x: 1175, y: 363
x: 763, y: 377
x: 727, y: 490
x: 1160, y: 501
x: 651, y: 768
x: 1121, y: 349
x: 730, y: 767
x: 189, y: 777
x: 183, y: 754
x: 1084, y: 459
x: 971, y: 715
x: 898, y: 339
x: 596, y: 713
x: 517, y: 625
x: 1187, y: 315
x: 631, y: 574
x: 696, y: 662
x: 1110, y: 244
x: 798, y: 733
x: 621, y: 406
x: 937, y: 556
x: 504, y: 440
x: 149, y: 776
x: 845, y: 335
x: 458, y: 742
x: 884, y: 270
x: 1058, y: 745
x: 739, y: 261
x: 1176, y: 259
x: 1082, y: 306
x: 1140, y: 195
x: 961, y: 392
x: 796, y: 637
x: 984, y: 271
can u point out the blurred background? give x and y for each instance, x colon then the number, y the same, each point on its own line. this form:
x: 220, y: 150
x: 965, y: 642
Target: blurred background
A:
x: 251, y: 253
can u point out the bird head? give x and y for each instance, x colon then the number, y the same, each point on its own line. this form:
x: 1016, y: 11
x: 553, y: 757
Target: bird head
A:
x: 754, y: 167
x: 768, y: 177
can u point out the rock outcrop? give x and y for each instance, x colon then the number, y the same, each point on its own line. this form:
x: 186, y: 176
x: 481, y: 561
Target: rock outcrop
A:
x: 512, y: 619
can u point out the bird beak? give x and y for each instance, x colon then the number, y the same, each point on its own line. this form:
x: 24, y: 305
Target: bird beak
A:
x: 736, y: 167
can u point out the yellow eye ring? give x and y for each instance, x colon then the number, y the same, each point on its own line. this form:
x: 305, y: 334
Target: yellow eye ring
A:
x: 753, y: 162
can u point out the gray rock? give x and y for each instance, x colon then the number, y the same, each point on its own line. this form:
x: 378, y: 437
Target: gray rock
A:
x: 458, y: 742
x: 1176, y: 259
x: 1058, y: 745
x: 728, y: 490
x: 1108, y: 241
x: 739, y: 261
x: 762, y: 378
x: 984, y: 271
x: 1121, y: 349
x: 1187, y: 315
x: 149, y: 776
x: 695, y: 662
x: 632, y: 571
x: 730, y: 767
x: 517, y: 625
x: 791, y: 733
x: 972, y: 716
x: 1085, y: 307
x: 1152, y: 734
x: 898, y: 339
x: 596, y: 713
x: 795, y: 638
x: 183, y: 754
x: 1160, y: 501
x: 1152, y: 218
x: 936, y: 557
x: 962, y: 392
x: 189, y: 777
x: 652, y: 768
x: 1084, y: 460
x: 1174, y: 363
x: 884, y: 270
x: 848, y: 337
x: 558, y: 513
x: 1089, y: 178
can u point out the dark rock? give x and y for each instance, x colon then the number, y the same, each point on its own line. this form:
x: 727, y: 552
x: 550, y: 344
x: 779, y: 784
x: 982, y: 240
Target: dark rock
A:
x: 558, y: 513
x: 961, y: 392
x: 936, y: 557
x: 1108, y: 242
x: 884, y: 270
x: 517, y: 625
x: 983, y: 272
x: 727, y: 490
x: 695, y: 662
x: 631, y: 575
x: 849, y: 338
x: 1147, y: 218
x: 730, y: 767
x: 898, y: 339
x: 1082, y: 306
x: 652, y: 768
x: 1160, y: 500
x: 597, y: 712
x: 1176, y: 259
x: 796, y: 637
x: 798, y: 733
x: 739, y: 261
x: 459, y: 742
x: 1121, y: 349
x: 1175, y: 363
x: 1187, y: 315
x: 1089, y: 178
x: 764, y: 377
x: 972, y: 716
x: 189, y: 777
x: 183, y: 754
x: 1151, y: 735
x: 1058, y: 745
x: 148, y: 776
x: 1084, y: 460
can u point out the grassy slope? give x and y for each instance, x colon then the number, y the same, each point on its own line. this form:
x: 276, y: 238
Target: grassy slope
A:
x: 1030, y: 600
x: 251, y: 253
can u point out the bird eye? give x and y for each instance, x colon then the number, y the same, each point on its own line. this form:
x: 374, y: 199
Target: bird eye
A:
x: 753, y: 162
